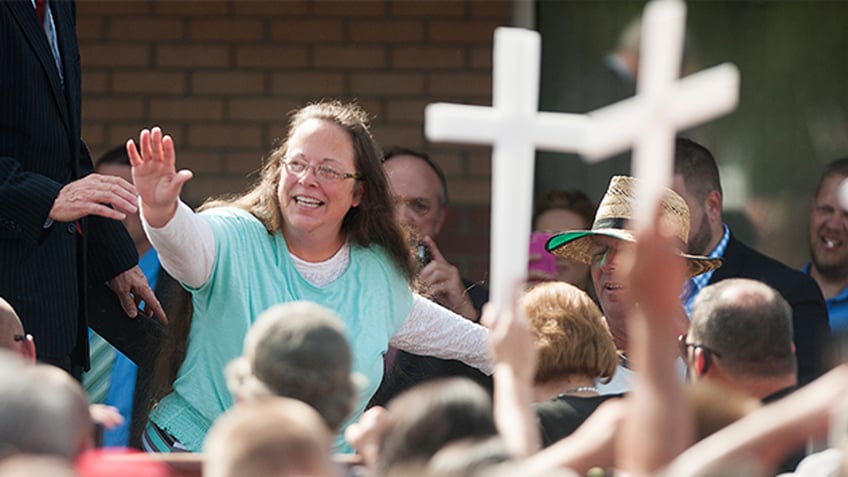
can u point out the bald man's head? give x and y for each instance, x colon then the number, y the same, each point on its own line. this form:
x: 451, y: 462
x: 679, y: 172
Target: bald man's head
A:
x: 12, y: 335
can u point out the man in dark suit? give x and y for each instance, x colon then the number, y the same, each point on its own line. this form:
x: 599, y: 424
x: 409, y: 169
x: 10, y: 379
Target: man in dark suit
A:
x: 696, y: 178
x: 58, y: 232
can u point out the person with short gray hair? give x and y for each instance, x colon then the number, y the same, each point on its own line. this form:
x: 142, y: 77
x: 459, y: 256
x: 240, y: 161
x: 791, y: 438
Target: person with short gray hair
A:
x: 741, y: 336
x: 297, y: 350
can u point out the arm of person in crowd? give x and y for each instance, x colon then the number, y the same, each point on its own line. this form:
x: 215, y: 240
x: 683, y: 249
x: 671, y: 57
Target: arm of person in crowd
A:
x: 366, y: 434
x: 433, y: 330
x: 770, y: 432
x: 659, y: 424
x: 168, y: 222
x: 513, y: 349
x: 441, y: 281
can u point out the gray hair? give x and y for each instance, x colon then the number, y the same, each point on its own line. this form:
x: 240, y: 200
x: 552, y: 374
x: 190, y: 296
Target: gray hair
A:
x: 297, y: 350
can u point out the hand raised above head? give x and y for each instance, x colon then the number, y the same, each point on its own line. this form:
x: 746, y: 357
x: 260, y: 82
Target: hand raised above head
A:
x: 155, y: 175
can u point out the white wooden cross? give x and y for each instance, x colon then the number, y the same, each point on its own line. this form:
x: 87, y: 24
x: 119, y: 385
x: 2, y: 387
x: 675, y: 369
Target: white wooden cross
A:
x: 515, y: 129
x: 663, y: 105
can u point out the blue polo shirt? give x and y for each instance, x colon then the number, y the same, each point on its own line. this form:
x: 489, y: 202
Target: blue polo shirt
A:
x: 837, y: 308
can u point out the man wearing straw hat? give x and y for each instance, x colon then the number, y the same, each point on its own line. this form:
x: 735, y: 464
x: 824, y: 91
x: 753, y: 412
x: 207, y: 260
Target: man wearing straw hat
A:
x: 601, y: 246
x: 696, y: 179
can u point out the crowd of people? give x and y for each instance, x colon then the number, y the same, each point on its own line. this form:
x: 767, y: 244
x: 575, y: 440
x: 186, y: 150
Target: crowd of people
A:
x: 314, y: 326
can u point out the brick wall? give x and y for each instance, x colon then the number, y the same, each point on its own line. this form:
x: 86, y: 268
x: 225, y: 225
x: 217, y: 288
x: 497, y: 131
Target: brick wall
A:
x: 221, y: 76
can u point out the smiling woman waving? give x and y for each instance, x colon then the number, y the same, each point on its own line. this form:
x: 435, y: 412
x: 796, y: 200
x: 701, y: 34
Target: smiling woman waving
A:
x: 318, y: 226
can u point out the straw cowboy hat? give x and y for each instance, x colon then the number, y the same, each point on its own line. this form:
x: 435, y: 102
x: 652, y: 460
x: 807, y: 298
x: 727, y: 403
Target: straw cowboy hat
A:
x: 613, y: 214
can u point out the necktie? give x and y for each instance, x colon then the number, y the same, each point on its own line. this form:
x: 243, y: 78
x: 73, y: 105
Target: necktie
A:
x: 40, y: 7
x: 98, y: 379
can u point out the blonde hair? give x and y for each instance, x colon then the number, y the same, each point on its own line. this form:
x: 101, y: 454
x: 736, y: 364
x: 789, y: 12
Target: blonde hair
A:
x: 571, y: 336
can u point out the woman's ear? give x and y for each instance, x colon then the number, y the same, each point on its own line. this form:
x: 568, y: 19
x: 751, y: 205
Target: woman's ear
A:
x: 358, y: 191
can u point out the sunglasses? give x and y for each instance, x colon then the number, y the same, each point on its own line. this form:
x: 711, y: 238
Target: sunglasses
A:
x: 707, y: 352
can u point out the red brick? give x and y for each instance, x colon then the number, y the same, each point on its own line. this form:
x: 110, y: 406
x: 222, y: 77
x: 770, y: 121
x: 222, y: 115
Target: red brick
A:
x: 260, y: 109
x: 331, y: 84
x: 94, y: 135
x: 112, y: 7
x: 417, y: 8
x: 359, y: 57
x: 307, y: 30
x: 480, y: 218
x: 463, y: 31
x: 451, y: 161
x: 481, y: 57
x: 146, y: 28
x: 386, y: 31
x: 480, y: 164
x: 393, y: 135
x: 177, y: 109
x: 225, y: 135
x: 272, y: 56
x: 348, y: 8
x: 193, y: 8
x: 387, y: 84
x: 242, y: 163
x: 267, y: 8
x: 147, y: 81
x: 200, y: 160
x: 491, y: 8
x: 406, y: 109
x: 90, y: 28
x: 428, y: 57
x: 222, y: 30
x: 471, y: 192
x: 94, y: 81
x: 108, y: 108
x: 461, y: 84
x: 113, y: 54
x: 119, y: 131
x: 204, y: 186
x: 228, y: 82
x: 188, y: 56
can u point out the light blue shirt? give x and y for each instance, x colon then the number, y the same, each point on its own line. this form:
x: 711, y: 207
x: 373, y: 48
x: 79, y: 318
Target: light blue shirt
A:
x: 698, y: 282
x: 253, y: 270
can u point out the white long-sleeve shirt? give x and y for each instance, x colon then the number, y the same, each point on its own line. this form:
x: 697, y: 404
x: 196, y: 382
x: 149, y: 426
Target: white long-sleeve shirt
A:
x: 430, y: 329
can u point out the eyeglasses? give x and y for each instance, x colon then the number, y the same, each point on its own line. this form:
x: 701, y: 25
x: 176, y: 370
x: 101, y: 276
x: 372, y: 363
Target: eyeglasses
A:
x: 707, y: 352
x: 18, y: 338
x: 323, y: 173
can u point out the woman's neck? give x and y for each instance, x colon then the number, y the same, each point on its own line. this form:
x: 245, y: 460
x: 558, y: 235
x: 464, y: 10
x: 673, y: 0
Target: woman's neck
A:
x: 312, y: 248
x: 573, y: 385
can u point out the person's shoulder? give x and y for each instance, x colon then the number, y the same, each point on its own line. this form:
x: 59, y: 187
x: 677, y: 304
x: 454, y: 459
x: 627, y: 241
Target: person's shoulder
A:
x: 772, y: 271
x: 233, y: 221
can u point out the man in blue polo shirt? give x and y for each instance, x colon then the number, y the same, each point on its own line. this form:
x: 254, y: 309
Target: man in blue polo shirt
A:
x: 829, y: 244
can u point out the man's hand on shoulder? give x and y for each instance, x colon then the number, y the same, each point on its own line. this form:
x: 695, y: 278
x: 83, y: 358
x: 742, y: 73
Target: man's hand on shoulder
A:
x: 90, y: 196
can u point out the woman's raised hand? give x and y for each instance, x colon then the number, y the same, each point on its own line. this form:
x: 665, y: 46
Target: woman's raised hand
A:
x: 155, y: 177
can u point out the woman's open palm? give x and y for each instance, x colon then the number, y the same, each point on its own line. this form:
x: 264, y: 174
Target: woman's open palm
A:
x: 155, y: 177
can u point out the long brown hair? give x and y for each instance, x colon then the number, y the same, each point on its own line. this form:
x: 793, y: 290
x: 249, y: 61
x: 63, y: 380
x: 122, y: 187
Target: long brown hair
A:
x: 373, y: 221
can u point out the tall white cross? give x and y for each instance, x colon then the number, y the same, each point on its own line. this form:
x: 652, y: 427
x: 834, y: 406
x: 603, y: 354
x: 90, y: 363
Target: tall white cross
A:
x: 515, y: 129
x: 663, y: 105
